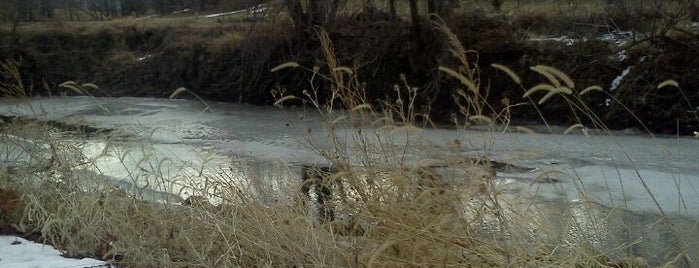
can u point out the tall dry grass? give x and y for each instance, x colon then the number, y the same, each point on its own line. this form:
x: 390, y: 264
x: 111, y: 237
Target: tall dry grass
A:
x: 390, y: 210
x: 373, y: 158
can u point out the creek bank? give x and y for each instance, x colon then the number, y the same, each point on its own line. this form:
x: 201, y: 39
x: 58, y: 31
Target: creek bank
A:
x: 231, y: 62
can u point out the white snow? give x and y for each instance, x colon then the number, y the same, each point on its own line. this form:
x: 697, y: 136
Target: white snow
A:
x: 252, y: 10
x: 181, y: 11
x: 620, y: 38
x: 18, y: 252
x: 617, y: 80
x: 568, y: 41
x: 144, y: 57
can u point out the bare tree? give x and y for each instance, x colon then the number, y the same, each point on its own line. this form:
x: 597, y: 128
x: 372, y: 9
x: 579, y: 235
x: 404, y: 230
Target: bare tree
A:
x: 309, y: 13
x: 198, y: 5
x: 68, y: 7
x: 415, y: 17
x: 442, y: 8
x: 497, y: 4
x: 392, y: 10
x: 22, y: 10
x: 46, y: 8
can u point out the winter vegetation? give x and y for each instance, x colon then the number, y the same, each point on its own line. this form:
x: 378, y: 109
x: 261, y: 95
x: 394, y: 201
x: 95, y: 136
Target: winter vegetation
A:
x: 626, y: 47
x: 384, y: 70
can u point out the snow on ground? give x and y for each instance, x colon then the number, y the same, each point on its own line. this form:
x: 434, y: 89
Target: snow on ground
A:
x: 17, y: 252
x: 252, y: 10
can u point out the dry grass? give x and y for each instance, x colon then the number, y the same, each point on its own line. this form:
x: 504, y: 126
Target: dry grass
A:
x: 390, y: 211
x: 142, y: 23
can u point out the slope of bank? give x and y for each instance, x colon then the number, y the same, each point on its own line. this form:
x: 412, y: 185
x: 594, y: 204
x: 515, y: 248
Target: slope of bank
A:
x: 231, y: 61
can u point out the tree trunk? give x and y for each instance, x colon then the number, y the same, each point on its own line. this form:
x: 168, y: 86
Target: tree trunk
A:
x: 497, y: 5
x: 415, y: 17
x: 46, y: 7
x: 18, y: 11
x: 117, y: 9
x: 418, y: 45
x: 441, y: 7
x: 307, y: 14
x: 15, y: 22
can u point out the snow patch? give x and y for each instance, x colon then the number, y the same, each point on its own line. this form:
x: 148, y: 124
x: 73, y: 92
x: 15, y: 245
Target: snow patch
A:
x: 620, y: 38
x: 144, y: 57
x: 253, y: 10
x: 617, y: 81
x: 568, y: 41
x: 181, y: 11
x: 18, y: 252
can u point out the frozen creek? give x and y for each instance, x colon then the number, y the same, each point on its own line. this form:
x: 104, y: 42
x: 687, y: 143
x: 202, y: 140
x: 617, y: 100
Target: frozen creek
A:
x: 157, y: 147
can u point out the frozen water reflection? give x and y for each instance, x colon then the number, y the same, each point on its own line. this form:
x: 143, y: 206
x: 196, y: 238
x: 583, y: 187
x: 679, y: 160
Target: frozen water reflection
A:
x: 167, y: 150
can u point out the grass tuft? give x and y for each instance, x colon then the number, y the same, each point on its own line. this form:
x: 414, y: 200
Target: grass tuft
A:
x: 181, y: 90
x: 285, y: 65
x: 515, y: 78
x: 590, y: 89
x: 667, y: 83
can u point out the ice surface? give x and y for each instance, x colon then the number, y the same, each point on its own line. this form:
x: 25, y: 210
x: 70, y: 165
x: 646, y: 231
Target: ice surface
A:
x: 158, y: 146
x: 610, y: 169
